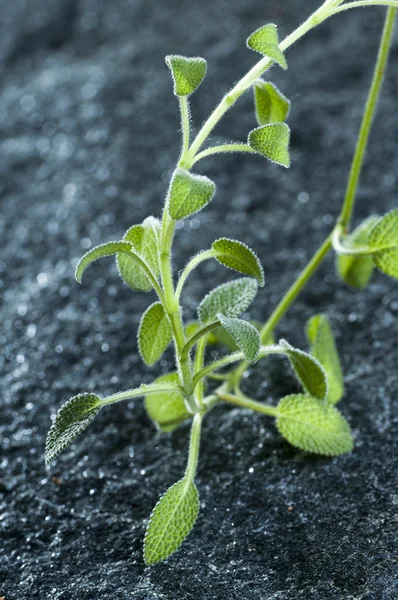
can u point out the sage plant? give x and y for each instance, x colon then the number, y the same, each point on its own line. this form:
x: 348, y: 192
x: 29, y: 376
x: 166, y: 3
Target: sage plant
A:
x: 309, y: 420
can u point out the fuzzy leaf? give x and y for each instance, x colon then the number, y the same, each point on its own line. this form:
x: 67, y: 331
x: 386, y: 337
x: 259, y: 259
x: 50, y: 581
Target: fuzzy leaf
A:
x: 108, y: 249
x: 72, y: 418
x: 167, y: 410
x: 323, y: 348
x: 154, y: 333
x: 313, y: 426
x: 357, y: 271
x: 245, y: 335
x: 188, y: 194
x: 271, y: 105
x: 239, y: 257
x: 272, y: 141
x: 221, y: 336
x: 265, y: 41
x: 171, y: 521
x: 187, y: 73
x: 383, y: 239
x: 144, y: 240
x: 231, y: 299
x: 308, y: 370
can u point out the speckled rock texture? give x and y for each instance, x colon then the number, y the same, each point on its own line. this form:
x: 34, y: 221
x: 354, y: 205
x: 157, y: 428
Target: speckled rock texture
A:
x: 89, y: 134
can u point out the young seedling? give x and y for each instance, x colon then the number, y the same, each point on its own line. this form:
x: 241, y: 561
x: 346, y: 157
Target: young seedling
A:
x: 308, y: 420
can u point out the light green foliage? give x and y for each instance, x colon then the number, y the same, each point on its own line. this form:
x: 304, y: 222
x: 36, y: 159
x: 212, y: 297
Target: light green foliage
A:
x: 171, y: 520
x: 357, y: 271
x: 383, y: 239
x: 308, y: 370
x: 239, y: 257
x: 313, y: 425
x: 272, y: 141
x: 154, y: 333
x: 265, y: 41
x: 187, y: 73
x: 271, y: 105
x: 144, y: 240
x: 231, y: 299
x: 244, y: 334
x: 221, y: 336
x: 188, y: 194
x: 108, y: 249
x: 323, y: 348
x: 72, y: 418
x: 167, y: 409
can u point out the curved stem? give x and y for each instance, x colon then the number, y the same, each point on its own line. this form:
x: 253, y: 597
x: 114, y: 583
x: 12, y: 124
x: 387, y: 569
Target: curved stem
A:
x: 143, y: 390
x: 367, y: 119
x: 245, y: 402
x: 193, y: 263
x: 363, y: 3
x: 223, y: 149
x: 194, y: 449
x: 185, y: 127
x: 198, y: 335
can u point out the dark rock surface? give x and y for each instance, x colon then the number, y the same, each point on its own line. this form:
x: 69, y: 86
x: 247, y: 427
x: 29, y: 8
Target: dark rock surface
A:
x: 88, y: 139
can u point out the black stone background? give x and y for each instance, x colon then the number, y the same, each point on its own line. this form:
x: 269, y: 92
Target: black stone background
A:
x: 88, y: 140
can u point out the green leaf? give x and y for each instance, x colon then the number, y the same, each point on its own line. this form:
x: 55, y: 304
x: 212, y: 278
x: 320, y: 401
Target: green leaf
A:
x: 245, y: 335
x: 271, y: 105
x: 383, y: 239
x: 265, y: 41
x: 231, y: 299
x: 167, y: 410
x: 308, y: 370
x: 221, y: 336
x: 239, y: 257
x: 187, y: 73
x: 144, y: 240
x: 154, y: 333
x: 188, y: 194
x: 72, y: 418
x: 108, y: 249
x: 323, y: 348
x: 313, y: 426
x: 357, y: 271
x: 272, y: 141
x: 171, y: 521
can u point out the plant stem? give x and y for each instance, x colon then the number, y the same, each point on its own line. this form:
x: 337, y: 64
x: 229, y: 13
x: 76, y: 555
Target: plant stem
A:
x: 223, y: 149
x: 363, y: 3
x: 193, y: 263
x: 193, y: 449
x: 367, y: 119
x: 244, y: 402
x: 185, y: 127
x: 144, y: 390
x: 198, y: 335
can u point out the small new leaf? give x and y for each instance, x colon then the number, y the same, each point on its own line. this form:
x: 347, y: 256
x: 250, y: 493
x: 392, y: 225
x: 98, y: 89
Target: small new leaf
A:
x: 323, y: 348
x: 154, y: 333
x: 357, y: 271
x: 72, y: 418
x: 270, y: 104
x: 144, y: 241
x: 245, y: 335
x: 239, y: 257
x: 313, y: 426
x: 231, y: 299
x: 383, y: 239
x: 167, y: 410
x: 187, y: 73
x: 188, y: 194
x: 108, y: 249
x: 265, y: 40
x: 308, y: 370
x: 171, y: 521
x: 272, y: 141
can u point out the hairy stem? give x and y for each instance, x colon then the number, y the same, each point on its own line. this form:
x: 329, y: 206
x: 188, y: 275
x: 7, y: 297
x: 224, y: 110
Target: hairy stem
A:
x: 222, y: 149
x: 194, y: 448
x: 245, y: 402
x: 367, y: 119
